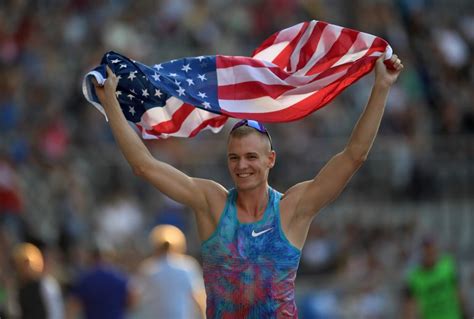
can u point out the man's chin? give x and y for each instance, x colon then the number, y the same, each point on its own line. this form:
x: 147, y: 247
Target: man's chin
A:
x: 245, y: 185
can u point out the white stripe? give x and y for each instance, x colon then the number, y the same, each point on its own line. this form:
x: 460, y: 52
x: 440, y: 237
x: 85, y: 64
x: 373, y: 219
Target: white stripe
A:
x: 262, y: 104
x: 281, y: 41
x: 295, y: 55
x: 228, y: 57
x: 246, y: 73
x: 193, y: 120
x: 270, y: 53
x: 290, y: 33
x: 330, y: 32
x: 388, y: 53
x: 362, y: 40
x: 87, y: 87
x: 160, y: 114
x: 157, y: 115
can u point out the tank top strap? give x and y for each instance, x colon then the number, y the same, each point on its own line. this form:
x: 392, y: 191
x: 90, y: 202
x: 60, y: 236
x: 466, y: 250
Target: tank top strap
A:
x: 275, y: 196
x: 230, y: 205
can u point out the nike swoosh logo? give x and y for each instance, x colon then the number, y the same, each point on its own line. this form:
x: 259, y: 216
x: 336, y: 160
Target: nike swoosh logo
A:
x: 254, y: 234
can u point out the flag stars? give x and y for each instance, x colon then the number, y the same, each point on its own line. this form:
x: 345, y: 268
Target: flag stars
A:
x: 202, y: 77
x: 206, y: 105
x: 130, y: 97
x: 177, y: 82
x: 173, y: 75
x: 115, y: 61
x: 158, y: 67
x: 158, y: 93
x: 180, y: 91
x: 145, y: 93
x: 186, y: 68
x: 200, y: 58
x: 202, y: 95
x: 123, y: 66
x: 156, y: 77
x: 131, y: 110
x: 118, y: 93
x: 190, y: 82
x: 132, y: 75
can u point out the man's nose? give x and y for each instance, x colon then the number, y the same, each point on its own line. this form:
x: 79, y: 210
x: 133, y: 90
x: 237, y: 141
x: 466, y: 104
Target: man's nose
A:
x: 242, y: 163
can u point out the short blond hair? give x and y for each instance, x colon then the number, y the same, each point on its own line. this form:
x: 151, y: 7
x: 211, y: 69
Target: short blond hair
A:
x: 244, y: 131
x: 168, y: 238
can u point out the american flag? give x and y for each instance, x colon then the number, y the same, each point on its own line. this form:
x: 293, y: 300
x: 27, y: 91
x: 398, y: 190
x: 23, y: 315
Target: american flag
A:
x: 293, y: 73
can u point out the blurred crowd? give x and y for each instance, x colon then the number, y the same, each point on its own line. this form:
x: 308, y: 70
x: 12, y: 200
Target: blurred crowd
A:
x: 64, y: 187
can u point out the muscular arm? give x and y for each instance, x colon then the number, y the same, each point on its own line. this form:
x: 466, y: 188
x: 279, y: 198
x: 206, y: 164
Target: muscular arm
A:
x: 170, y: 181
x: 309, y: 197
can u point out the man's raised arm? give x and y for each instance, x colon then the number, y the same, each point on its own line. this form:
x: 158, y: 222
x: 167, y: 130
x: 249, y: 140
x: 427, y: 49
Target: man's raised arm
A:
x: 313, y: 195
x: 170, y: 181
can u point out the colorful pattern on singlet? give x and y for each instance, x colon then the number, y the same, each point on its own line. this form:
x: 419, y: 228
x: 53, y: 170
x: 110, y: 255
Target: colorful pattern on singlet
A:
x: 250, y: 268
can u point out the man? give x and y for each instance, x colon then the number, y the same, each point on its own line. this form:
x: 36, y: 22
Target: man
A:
x: 101, y: 291
x: 252, y: 235
x: 433, y: 290
x: 170, y: 283
x: 39, y: 294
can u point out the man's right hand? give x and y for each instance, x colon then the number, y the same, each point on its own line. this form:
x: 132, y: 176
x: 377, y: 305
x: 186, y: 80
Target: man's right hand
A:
x: 106, y: 91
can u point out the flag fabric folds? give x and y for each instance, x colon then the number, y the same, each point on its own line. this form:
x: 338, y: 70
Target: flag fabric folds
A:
x: 293, y: 73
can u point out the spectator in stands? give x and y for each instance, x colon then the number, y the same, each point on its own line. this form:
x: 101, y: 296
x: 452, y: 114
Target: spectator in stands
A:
x: 432, y: 290
x: 170, y: 282
x: 39, y: 295
x: 101, y: 292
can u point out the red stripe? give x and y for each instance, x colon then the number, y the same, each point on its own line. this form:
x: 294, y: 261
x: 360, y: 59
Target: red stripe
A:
x: 283, y: 59
x: 174, y: 124
x: 311, y: 45
x: 267, y: 43
x: 224, y: 61
x: 217, y: 121
x: 251, y: 90
x: 378, y: 45
x: 315, y: 101
x: 338, y: 49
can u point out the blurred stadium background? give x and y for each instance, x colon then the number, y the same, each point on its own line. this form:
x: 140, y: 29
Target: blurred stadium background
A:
x: 64, y: 183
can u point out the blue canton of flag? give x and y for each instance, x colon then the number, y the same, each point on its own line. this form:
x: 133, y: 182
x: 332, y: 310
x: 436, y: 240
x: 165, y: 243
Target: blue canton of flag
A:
x: 140, y: 87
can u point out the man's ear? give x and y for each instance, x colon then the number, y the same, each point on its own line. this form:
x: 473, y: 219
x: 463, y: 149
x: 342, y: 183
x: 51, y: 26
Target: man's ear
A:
x: 272, y: 157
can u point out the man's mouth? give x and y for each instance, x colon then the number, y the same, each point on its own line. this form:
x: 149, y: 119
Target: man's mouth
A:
x: 243, y: 175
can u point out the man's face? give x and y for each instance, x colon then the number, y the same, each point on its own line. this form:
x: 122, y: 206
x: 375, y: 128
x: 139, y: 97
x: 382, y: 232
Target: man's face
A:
x: 429, y: 255
x: 249, y: 159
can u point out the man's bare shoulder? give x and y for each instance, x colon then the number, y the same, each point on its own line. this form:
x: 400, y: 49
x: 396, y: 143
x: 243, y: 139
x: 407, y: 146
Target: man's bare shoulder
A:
x: 211, y: 187
x: 294, y: 192
x: 216, y: 194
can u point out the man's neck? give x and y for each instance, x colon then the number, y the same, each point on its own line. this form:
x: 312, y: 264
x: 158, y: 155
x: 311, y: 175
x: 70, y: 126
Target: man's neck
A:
x: 252, y: 203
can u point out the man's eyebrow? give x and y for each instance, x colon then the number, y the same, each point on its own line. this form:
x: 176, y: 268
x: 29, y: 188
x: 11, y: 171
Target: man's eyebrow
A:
x: 248, y: 153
